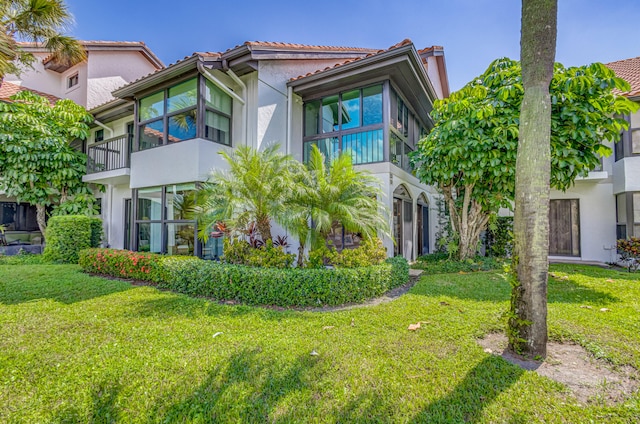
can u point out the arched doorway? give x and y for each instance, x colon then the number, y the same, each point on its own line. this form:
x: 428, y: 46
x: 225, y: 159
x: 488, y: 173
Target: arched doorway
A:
x: 423, y: 225
x: 403, y: 222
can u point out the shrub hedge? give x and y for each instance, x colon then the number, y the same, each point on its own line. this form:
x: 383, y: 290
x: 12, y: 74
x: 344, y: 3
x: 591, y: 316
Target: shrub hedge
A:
x: 126, y: 264
x: 66, y: 235
x: 250, y: 285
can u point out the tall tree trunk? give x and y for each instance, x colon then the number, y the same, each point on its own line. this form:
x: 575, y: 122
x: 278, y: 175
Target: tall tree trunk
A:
x: 468, y: 221
x: 41, y: 218
x: 528, y: 321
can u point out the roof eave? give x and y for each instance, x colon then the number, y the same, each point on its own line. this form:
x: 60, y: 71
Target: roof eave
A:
x: 157, y: 77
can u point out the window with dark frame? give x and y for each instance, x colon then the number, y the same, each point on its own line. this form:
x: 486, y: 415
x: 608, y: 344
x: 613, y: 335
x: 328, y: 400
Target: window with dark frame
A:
x: 98, y: 136
x: 351, y: 120
x: 171, y: 115
x: 73, y: 80
x: 162, y: 224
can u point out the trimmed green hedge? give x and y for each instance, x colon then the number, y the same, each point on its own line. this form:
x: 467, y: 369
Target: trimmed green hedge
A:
x: 66, y: 235
x: 127, y: 264
x: 250, y: 285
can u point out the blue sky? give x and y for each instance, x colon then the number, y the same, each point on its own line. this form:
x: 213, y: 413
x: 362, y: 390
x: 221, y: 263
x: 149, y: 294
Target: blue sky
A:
x: 472, y: 32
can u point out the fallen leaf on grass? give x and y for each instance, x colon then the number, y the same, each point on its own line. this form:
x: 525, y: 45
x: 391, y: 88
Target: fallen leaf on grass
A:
x: 586, y: 306
x: 444, y: 304
x: 328, y: 327
x: 413, y: 327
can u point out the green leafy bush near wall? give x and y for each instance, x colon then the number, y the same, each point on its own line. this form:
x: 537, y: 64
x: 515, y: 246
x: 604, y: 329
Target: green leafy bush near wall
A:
x: 370, y: 252
x: 66, y: 235
x: 250, y: 285
x: 499, y: 237
x: 96, y: 231
x: 240, y: 252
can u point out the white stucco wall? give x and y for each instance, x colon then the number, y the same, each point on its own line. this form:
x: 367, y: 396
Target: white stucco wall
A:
x: 597, y: 219
x: 183, y: 162
x: 434, y: 75
x: 103, y: 72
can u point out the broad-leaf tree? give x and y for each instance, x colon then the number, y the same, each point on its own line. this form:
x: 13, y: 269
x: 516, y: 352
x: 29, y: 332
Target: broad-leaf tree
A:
x: 470, y: 154
x: 37, y: 163
x: 253, y: 190
x: 328, y: 193
x: 39, y: 21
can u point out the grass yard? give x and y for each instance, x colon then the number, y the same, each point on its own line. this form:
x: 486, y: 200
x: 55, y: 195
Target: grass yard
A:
x: 75, y: 348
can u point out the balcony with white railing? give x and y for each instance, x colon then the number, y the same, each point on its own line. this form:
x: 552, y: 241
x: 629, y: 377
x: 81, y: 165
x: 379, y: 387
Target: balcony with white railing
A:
x: 108, y: 161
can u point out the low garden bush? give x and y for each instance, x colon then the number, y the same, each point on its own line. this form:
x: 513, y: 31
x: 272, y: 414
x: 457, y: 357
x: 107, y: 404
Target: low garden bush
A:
x: 440, y: 263
x: 127, y: 264
x: 629, y: 251
x: 285, y: 286
x: 370, y: 252
x: 241, y: 252
x: 66, y: 235
x: 250, y: 285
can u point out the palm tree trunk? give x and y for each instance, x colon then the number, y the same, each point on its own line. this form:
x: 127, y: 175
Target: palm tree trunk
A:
x: 528, y: 318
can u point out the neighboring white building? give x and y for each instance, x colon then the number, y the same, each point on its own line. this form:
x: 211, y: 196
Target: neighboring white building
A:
x: 109, y: 65
x: 164, y: 132
x: 587, y: 219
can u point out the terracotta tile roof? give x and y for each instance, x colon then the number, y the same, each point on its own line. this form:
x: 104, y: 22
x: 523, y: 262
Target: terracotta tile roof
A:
x: 294, y: 46
x: 403, y: 43
x: 629, y: 70
x: 101, y: 44
x: 206, y: 55
x: 8, y: 89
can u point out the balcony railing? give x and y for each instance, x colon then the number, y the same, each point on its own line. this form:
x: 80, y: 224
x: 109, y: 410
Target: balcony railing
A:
x: 110, y: 154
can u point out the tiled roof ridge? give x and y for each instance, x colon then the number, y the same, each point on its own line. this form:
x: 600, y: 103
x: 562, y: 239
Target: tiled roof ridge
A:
x: 279, y: 44
x: 8, y: 89
x: 629, y: 70
x: 84, y: 42
x: 403, y: 43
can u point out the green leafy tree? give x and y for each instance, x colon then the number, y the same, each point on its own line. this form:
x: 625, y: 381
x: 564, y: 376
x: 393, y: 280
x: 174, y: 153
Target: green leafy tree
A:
x: 37, y: 163
x: 40, y: 21
x: 253, y: 190
x: 470, y: 154
x: 325, y: 194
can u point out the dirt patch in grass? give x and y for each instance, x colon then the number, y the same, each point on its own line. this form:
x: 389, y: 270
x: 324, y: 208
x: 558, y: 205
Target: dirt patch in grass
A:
x: 589, y: 379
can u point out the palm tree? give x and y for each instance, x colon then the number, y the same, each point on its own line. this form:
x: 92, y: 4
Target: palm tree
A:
x: 253, y: 190
x: 39, y: 21
x: 334, y: 193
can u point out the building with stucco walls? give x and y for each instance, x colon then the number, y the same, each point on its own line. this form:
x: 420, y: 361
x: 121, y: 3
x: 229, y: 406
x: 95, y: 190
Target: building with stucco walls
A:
x: 162, y: 133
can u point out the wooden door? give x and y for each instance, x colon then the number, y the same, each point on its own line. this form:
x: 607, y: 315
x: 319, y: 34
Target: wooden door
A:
x: 564, y: 227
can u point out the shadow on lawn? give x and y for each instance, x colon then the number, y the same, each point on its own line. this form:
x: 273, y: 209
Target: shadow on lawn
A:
x: 246, y: 389
x: 175, y: 304
x: 467, y: 400
x: 494, y: 287
x: 103, y: 407
x: 60, y: 283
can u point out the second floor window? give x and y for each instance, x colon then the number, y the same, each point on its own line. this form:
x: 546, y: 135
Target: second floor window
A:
x: 348, y: 121
x: 72, y: 81
x: 174, y: 115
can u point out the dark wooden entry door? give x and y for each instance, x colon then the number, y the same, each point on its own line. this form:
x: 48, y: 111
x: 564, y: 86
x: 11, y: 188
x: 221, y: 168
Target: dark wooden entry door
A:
x: 564, y: 227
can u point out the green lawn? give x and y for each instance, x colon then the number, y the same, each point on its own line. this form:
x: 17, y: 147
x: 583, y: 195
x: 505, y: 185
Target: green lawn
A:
x: 75, y: 348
